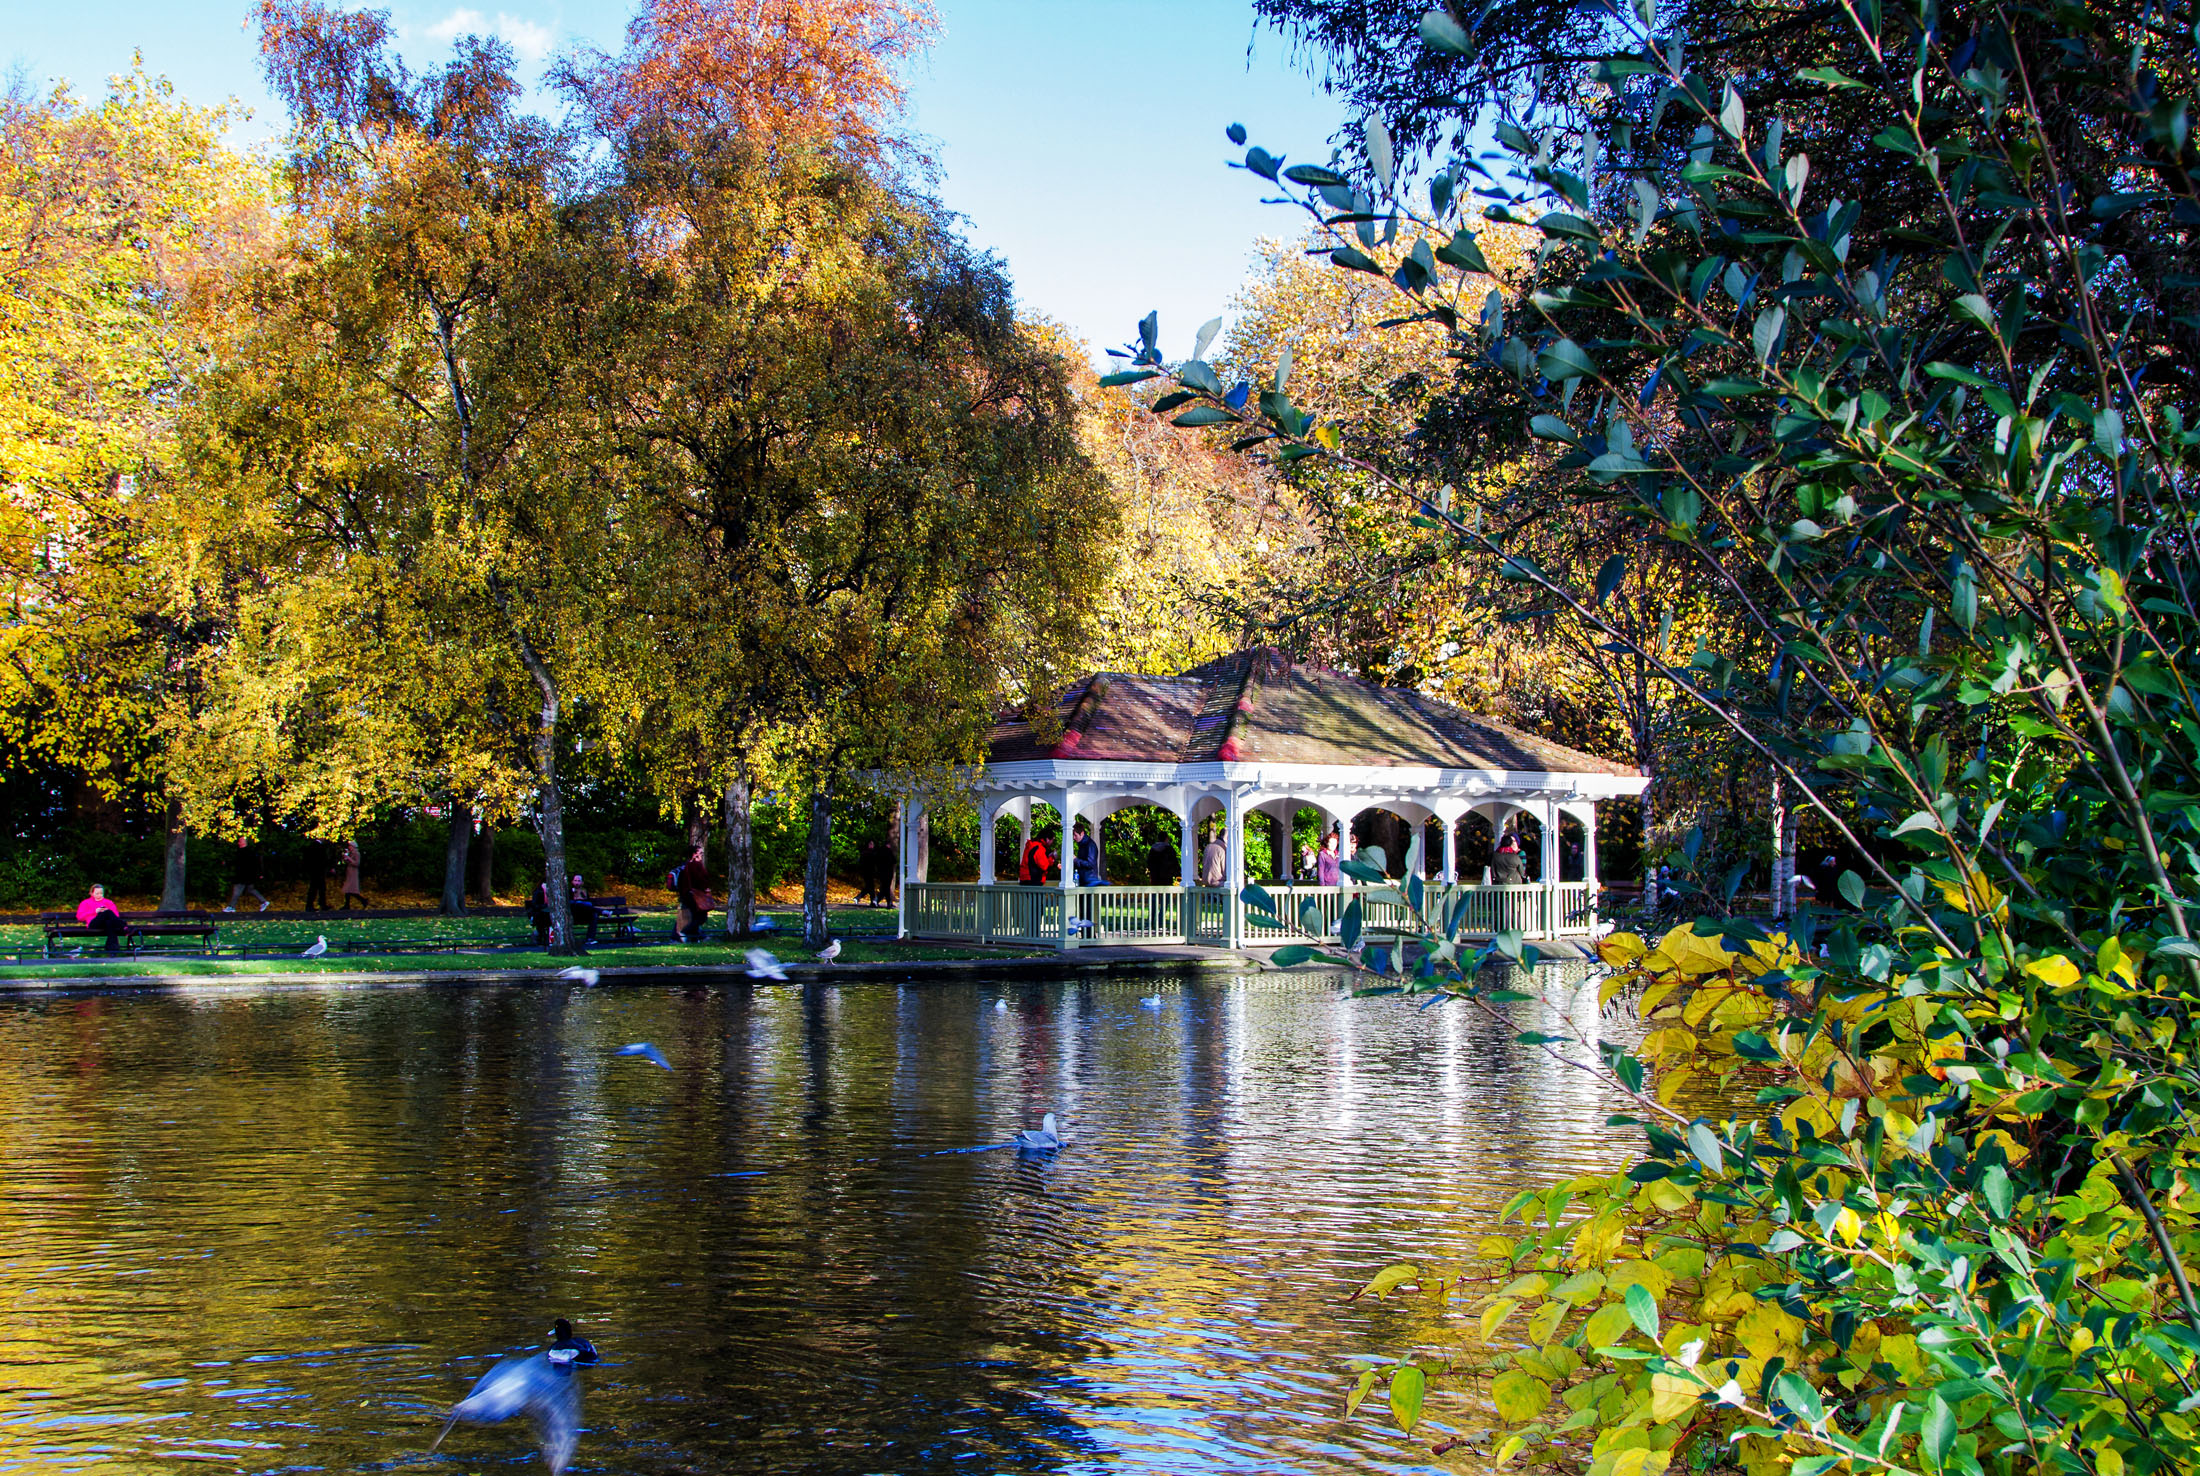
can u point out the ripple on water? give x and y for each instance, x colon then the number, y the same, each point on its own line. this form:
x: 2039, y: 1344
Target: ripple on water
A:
x: 355, y: 1202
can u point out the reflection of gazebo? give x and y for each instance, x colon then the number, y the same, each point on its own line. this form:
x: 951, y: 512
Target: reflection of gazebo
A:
x: 1254, y: 734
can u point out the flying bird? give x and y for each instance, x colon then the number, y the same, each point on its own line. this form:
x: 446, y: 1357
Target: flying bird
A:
x: 646, y: 1051
x: 763, y: 965
x: 829, y: 952
x: 539, y: 1385
x: 585, y: 976
x: 316, y: 948
x: 1042, y: 1139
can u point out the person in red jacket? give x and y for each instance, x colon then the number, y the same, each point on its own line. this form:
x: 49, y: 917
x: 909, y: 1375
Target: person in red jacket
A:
x: 1032, y: 867
x: 100, y: 915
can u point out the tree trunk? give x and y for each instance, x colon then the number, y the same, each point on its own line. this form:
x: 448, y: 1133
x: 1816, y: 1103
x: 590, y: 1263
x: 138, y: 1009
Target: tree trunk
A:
x: 549, y: 802
x: 697, y: 821
x: 454, y: 860
x: 174, y: 896
x: 1786, y: 818
x: 816, y: 928
x: 740, y: 855
x: 485, y: 866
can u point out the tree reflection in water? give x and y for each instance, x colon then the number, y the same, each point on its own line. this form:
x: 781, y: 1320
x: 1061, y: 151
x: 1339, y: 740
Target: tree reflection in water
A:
x: 289, y: 1229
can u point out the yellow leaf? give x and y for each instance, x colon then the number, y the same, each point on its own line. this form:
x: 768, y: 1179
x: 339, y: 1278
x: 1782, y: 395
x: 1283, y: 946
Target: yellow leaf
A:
x: 2108, y: 1460
x: 1646, y: 1274
x: 1640, y: 1462
x: 1495, y: 1313
x: 1607, y: 1325
x: 1621, y: 950
x: 1671, y: 1397
x: 1513, y: 1446
x: 2055, y: 971
x: 1975, y: 894
x: 1695, y: 956
x: 1545, y: 1321
x: 1848, y: 1225
x: 1519, y: 1397
x: 1767, y: 1330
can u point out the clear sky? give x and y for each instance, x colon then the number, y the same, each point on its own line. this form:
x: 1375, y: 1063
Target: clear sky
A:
x: 1082, y: 139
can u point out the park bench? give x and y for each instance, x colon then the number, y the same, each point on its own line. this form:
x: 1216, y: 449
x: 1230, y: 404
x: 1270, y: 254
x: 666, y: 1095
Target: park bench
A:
x: 136, y: 928
x: 613, y: 914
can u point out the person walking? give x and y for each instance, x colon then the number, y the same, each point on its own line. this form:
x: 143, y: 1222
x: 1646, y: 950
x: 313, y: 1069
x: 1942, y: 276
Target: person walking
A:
x: 245, y: 869
x: 1329, y: 866
x: 320, y: 861
x: 102, y: 917
x: 350, y: 861
x: 692, y: 886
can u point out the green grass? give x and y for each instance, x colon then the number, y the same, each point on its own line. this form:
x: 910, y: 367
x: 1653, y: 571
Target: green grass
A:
x: 691, y: 955
x: 249, y: 944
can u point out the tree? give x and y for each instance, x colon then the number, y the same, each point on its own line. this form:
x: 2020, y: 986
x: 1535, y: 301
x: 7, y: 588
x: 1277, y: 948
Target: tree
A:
x: 109, y: 218
x: 402, y: 403
x: 1918, y: 439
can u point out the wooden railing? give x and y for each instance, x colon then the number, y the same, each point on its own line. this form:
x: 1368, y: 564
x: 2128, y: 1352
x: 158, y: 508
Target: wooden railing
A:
x: 1201, y: 915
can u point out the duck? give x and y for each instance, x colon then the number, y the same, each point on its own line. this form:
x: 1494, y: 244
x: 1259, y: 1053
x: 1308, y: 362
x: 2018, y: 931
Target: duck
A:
x: 567, y: 1346
x: 1042, y: 1139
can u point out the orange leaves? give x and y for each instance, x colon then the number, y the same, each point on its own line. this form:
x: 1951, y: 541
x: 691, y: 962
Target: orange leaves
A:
x: 815, y: 71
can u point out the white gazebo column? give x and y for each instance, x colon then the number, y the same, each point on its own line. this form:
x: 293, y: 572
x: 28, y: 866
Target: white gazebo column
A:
x: 988, y: 812
x: 1188, y: 852
x: 1065, y: 803
x: 901, y: 869
x: 1553, y: 921
x: 1589, y: 860
x: 1451, y: 849
x: 1233, y: 874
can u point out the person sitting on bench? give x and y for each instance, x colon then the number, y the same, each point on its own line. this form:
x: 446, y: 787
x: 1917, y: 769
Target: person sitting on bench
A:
x: 100, y: 915
x: 584, y: 911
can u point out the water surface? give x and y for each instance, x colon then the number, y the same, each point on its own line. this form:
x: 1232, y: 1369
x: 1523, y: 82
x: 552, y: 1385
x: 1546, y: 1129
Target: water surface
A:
x: 283, y: 1231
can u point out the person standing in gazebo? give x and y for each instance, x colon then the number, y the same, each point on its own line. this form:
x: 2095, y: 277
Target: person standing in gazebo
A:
x: 1214, y: 863
x: 1328, y: 867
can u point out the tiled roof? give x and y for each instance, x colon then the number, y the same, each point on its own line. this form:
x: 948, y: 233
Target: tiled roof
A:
x: 1258, y: 706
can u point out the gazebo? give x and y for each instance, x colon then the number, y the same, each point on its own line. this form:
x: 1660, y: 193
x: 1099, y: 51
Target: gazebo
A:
x: 1256, y: 734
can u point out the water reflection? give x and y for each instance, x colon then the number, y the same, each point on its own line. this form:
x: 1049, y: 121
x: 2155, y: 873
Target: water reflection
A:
x: 285, y: 1231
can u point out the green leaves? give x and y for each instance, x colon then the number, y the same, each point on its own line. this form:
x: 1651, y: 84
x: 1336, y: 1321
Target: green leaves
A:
x: 1408, y: 1387
x: 1642, y: 1310
x: 1440, y: 32
x: 1565, y: 360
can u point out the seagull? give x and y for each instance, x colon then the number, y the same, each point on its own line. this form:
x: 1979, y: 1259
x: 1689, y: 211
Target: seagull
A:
x: 316, y: 948
x: 1000, y: 1007
x: 585, y: 976
x: 1043, y: 1139
x: 1151, y: 1002
x: 539, y: 1385
x: 829, y: 952
x: 646, y: 1051
x: 763, y: 965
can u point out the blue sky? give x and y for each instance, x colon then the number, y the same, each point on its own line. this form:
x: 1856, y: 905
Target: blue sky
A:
x: 1083, y: 139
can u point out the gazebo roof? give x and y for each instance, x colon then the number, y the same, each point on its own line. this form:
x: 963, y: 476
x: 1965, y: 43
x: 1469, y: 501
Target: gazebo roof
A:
x: 1258, y: 706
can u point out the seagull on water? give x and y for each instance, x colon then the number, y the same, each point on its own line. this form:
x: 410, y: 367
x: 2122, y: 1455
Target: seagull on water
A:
x: 1000, y: 1007
x: 585, y: 976
x: 316, y: 948
x: 539, y: 1385
x: 763, y: 965
x: 646, y: 1051
x: 1150, y: 1002
x: 829, y: 952
x: 1042, y: 1139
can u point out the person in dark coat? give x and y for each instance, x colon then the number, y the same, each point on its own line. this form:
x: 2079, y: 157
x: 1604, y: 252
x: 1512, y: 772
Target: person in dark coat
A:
x: 320, y: 862
x: 1085, y: 857
x: 245, y: 874
x: 1509, y: 870
x: 1163, y: 868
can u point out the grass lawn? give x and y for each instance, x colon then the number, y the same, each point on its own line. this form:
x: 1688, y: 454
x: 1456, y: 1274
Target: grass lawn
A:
x: 720, y: 955
x: 254, y: 945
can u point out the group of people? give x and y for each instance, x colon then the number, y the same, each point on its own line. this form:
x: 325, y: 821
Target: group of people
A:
x: 323, y: 860
x: 1038, y: 866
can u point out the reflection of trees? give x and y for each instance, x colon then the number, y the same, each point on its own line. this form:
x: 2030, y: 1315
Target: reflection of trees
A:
x: 424, y: 1177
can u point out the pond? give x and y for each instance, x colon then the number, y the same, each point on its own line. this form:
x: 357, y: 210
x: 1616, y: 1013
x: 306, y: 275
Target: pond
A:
x: 284, y: 1231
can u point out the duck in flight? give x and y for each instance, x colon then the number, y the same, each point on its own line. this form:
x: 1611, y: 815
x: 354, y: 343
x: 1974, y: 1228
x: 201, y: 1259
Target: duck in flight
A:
x: 538, y: 1385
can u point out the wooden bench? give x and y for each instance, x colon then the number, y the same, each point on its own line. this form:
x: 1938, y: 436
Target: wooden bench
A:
x: 136, y: 927
x: 611, y: 912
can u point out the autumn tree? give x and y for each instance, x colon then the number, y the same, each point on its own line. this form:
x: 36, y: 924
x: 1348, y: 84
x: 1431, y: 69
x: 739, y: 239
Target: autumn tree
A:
x: 402, y: 404
x: 109, y: 218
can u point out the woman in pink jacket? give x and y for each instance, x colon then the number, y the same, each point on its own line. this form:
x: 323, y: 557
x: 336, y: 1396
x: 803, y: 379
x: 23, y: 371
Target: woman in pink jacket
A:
x: 100, y: 915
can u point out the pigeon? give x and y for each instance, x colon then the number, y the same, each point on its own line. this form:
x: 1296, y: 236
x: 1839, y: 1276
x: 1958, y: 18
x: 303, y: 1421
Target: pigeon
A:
x: 1042, y: 1139
x: 830, y: 952
x: 316, y: 948
x: 1000, y: 1007
x: 1150, y: 1002
x: 539, y: 1385
x: 585, y: 976
x: 646, y: 1051
x: 763, y: 965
